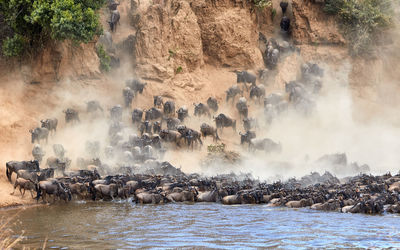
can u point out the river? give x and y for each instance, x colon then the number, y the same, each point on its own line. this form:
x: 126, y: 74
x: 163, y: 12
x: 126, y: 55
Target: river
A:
x: 105, y: 225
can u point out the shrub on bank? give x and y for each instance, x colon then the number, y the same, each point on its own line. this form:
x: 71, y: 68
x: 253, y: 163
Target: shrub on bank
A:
x: 105, y: 59
x: 361, y: 20
x: 262, y: 3
x: 36, y: 22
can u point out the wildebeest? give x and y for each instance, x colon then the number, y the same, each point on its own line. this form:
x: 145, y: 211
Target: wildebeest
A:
x: 128, y: 95
x: 50, y: 124
x: 150, y: 198
x: 158, y: 101
x: 156, y: 127
x: 112, y: 5
x: 295, y: 90
x: 247, y: 137
x: 59, y: 164
x: 242, y: 107
x: 232, y: 92
x: 208, y: 130
x: 39, y: 134
x: 223, y: 121
x: 106, y: 191
x: 249, y: 123
x: 36, y: 176
x: 116, y: 113
x: 273, y: 99
x: 257, y: 92
x: 201, y: 109
x: 24, y: 184
x: 38, y: 153
x: 183, y: 113
x: 208, y: 196
x: 271, y: 57
x: 284, y: 5
x: 185, y: 195
x: 71, y: 115
x: 114, y: 20
x: 137, y: 115
x: 265, y: 144
x: 145, y: 127
x: 171, y: 136
x: 212, y: 104
x: 245, y: 77
x: 92, y: 106
x: 285, y: 24
x: 190, y: 135
x: 55, y: 188
x: 153, y: 114
x: 169, y: 108
x: 136, y: 85
x: 14, y: 166
x: 172, y: 123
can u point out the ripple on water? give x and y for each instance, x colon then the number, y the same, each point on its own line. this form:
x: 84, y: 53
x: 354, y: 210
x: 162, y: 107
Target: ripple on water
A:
x: 124, y: 224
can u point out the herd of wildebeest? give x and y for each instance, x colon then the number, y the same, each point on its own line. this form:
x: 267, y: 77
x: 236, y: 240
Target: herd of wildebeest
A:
x: 131, y: 166
x: 142, y: 176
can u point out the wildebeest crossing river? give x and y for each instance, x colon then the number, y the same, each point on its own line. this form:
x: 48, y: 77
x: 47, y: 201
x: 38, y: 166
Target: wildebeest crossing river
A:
x: 106, y: 225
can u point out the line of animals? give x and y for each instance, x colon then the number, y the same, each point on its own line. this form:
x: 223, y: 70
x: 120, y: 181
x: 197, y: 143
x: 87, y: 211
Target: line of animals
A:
x: 360, y: 194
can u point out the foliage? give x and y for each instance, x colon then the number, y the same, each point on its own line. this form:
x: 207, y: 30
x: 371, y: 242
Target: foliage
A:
x: 13, y: 46
x: 179, y: 70
x: 362, y: 20
x: 217, y: 148
x: 105, y: 59
x: 37, y: 21
x: 273, y: 13
x: 262, y: 3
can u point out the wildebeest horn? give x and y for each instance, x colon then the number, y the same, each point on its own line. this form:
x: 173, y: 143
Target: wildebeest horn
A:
x: 41, y: 120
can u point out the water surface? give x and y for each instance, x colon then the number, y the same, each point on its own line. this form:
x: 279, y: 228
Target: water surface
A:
x: 102, y: 225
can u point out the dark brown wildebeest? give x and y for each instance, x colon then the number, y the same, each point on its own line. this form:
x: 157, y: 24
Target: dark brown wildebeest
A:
x: 14, y: 166
x: 114, y: 20
x: 208, y: 130
x: 39, y: 134
x: 24, y: 185
x: 223, y: 121
x: 50, y: 124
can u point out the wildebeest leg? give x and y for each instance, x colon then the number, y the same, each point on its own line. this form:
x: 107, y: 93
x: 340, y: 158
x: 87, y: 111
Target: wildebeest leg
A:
x: 31, y: 193
x: 23, y: 192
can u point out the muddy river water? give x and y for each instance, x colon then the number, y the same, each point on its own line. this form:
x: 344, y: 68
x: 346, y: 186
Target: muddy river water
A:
x: 105, y: 225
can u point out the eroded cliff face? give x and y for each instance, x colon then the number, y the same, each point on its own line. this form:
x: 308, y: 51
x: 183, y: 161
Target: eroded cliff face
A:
x: 62, y: 61
x: 312, y: 26
x: 168, y: 41
x: 180, y: 36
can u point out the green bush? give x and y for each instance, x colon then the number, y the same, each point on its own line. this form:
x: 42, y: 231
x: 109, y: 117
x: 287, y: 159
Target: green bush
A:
x: 13, y: 46
x: 37, y: 21
x: 105, y: 59
x: 262, y: 3
x: 361, y: 20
